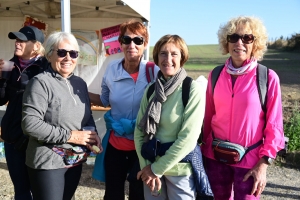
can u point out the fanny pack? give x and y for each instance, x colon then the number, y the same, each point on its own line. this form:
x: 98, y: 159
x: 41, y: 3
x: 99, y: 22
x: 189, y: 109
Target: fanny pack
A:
x: 230, y: 153
x: 74, y: 155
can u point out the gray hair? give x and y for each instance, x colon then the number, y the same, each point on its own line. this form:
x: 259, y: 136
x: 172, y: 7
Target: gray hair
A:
x: 55, y: 38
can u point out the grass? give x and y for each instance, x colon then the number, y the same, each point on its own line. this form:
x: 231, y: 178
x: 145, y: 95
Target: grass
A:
x: 292, y: 129
x: 206, y: 57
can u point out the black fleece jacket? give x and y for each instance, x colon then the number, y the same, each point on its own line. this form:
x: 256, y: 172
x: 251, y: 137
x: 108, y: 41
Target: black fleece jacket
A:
x: 11, y: 91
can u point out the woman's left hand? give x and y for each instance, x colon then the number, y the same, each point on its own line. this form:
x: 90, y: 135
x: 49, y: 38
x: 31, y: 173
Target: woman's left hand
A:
x: 259, y: 174
x: 98, y: 144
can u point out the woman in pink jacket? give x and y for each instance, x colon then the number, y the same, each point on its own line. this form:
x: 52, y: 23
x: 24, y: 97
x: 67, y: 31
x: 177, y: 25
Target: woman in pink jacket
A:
x: 234, y: 113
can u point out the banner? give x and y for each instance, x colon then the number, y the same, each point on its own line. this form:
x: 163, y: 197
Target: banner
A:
x: 30, y: 21
x: 110, y: 37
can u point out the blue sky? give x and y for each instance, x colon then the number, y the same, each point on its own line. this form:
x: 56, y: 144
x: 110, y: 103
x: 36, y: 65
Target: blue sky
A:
x: 197, y: 21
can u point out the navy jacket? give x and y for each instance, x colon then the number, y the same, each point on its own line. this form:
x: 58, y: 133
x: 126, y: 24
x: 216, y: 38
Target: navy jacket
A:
x: 11, y: 91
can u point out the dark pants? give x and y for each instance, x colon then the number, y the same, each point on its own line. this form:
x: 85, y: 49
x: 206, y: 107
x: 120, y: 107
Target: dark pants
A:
x: 117, y: 165
x: 18, y: 172
x: 227, y: 181
x: 55, y: 184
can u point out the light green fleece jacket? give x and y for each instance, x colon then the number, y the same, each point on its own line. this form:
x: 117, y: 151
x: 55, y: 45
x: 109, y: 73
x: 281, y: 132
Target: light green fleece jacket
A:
x: 177, y: 124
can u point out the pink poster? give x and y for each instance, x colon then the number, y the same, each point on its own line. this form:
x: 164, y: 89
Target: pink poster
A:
x: 110, y: 37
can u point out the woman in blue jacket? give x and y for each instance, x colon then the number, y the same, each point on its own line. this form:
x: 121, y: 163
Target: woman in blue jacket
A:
x: 123, y: 86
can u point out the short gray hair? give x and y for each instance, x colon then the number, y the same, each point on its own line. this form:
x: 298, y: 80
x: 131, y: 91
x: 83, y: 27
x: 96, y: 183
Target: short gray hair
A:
x: 55, y: 38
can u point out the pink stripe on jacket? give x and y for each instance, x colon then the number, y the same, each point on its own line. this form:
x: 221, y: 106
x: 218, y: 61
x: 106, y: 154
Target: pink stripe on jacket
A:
x: 240, y: 118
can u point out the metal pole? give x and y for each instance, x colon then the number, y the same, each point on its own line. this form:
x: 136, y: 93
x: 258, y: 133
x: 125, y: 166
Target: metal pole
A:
x: 65, y: 16
x: 146, y: 53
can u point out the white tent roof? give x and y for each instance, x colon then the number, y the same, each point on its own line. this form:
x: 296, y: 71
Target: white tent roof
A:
x: 79, y: 8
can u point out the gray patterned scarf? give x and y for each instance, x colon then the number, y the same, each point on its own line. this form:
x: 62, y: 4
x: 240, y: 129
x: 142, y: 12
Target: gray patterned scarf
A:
x: 150, y: 121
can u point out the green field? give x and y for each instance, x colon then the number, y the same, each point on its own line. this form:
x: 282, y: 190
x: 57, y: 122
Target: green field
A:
x: 206, y: 57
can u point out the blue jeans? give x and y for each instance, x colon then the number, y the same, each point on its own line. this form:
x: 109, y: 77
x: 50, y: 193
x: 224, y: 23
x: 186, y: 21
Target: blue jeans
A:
x: 18, y: 172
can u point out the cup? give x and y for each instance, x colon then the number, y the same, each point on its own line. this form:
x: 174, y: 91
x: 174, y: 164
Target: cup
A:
x: 6, y: 69
x: 88, y: 128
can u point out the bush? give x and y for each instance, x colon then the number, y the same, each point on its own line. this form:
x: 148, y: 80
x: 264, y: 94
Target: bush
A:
x: 288, y: 44
x: 292, y: 129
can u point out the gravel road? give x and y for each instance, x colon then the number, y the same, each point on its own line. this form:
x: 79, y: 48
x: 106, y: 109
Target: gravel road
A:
x: 283, y: 182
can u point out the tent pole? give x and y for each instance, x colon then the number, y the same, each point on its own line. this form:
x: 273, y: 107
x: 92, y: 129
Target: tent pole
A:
x: 66, y: 16
x: 146, y: 53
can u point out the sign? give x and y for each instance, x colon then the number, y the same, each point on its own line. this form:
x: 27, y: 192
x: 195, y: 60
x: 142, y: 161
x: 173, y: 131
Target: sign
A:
x: 110, y: 37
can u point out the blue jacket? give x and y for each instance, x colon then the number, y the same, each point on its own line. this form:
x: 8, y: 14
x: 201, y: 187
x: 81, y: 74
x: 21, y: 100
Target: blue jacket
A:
x: 121, y: 92
x: 124, y: 96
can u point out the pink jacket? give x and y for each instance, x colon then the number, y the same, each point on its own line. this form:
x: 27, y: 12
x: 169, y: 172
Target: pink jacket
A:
x: 235, y: 114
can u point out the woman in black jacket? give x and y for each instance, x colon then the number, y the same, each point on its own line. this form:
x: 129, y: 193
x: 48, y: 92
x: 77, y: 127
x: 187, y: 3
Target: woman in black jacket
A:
x: 28, y: 61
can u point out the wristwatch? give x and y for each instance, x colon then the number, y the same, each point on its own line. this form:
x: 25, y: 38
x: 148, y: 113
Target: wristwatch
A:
x: 268, y: 160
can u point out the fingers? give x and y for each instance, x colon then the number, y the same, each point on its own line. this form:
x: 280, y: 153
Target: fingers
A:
x: 259, y: 189
x: 247, y: 176
x: 139, y: 174
x: 158, y: 183
x: 151, y: 185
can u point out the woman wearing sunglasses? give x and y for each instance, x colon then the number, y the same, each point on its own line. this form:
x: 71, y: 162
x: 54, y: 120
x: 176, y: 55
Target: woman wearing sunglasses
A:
x: 56, y: 107
x: 234, y: 113
x: 123, y: 86
x: 28, y: 61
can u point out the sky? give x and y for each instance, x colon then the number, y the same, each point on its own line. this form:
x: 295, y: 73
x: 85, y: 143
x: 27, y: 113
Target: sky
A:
x: 198, y: 21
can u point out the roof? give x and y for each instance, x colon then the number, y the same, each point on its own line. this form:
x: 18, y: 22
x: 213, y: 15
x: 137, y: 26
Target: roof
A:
x: 78, y: 8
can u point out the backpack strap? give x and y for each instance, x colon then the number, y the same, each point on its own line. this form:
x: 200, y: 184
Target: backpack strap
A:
x: 150, y: 90
x: 150, y: 72
x: 215, y: 75
x: 262, y: 84
x: 186, y: 85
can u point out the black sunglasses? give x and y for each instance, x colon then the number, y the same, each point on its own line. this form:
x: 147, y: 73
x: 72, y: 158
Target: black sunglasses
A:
x: 137, y: 40
x: 63, y: 53
x: 246, y: 39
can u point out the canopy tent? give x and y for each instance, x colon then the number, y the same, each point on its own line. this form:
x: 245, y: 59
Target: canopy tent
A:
x: 84, y: 15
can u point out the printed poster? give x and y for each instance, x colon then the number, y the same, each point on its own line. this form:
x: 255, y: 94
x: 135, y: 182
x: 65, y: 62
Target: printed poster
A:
x: 110, y: 37
x: 88, y: 43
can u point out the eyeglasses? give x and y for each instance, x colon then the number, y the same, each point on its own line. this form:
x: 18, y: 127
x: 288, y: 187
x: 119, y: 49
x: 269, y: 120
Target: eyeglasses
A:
x: 246, y: 39
x: 137, y: 40
x: 63, y: 53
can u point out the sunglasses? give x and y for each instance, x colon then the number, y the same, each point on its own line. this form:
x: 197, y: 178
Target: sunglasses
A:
x: 137, y: 40
x: 63, y: 53
x: 246, y: 39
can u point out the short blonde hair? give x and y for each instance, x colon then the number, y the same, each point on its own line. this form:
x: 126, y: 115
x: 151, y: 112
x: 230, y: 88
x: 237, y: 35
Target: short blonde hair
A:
x: 177, y: 41
x: 55, y: 38
x: 248, y: 23
x: 41, y: 50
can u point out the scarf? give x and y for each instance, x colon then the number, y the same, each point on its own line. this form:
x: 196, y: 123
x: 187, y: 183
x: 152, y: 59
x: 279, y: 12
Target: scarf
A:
x: 26, y: 63
x: 247, y: 66
x: 150, y: 121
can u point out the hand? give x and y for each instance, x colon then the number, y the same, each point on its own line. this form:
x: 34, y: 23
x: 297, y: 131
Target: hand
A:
x: 1, y: 65
x: 84, y: 138
x: 154, y: 182
x: 146, y: 174
x: 98, y: 144
x: 259, y: 174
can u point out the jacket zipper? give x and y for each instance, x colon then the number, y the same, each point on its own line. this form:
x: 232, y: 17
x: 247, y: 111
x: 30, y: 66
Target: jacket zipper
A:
x: 70, y: 91
x: 21, y: 72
